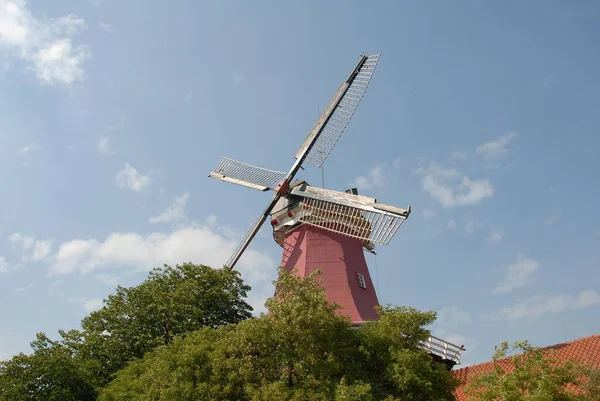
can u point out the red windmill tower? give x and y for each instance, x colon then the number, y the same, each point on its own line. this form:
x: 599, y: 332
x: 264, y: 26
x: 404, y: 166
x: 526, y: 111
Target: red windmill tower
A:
x: 321, y: 228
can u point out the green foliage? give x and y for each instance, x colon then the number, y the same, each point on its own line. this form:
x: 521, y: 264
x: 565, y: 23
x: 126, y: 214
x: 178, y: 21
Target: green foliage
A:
x: 301, y: 350
x: 172, y: 301
x: 395, y: 361
x: 49, y: 374
x: 534, y: 375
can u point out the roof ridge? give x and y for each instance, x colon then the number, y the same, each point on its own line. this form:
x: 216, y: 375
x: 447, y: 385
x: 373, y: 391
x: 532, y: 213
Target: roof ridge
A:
x: 576, y: 340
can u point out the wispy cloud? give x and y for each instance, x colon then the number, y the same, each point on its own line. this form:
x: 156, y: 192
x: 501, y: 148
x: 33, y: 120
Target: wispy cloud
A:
x: 238, y: 79
x: 379, y: 176
x: 4, y: 266
x: 174, y: 212
x: 44, y: 44
x: 497, y: 148
x: 452, y: 224
x: 547, y: 82
x: 27, y: 152
x: 470, y: 226
x: 495, y: 236
x: 106, y: 27
x: 88, y: 304
x: 23, y: 289
x: 537, y: 306
x: 104, y: 146
x: 128, y: 177
x: 31, y: 248
x: 42, y: 249
x: 451, y: 189
x: 375, y: 177
x: 518, y: 274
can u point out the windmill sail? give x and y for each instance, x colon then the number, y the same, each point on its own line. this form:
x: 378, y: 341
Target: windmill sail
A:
x: 344, y: 104
x: 315, y: 149
x: 254, y: 177
x: 254, y: 228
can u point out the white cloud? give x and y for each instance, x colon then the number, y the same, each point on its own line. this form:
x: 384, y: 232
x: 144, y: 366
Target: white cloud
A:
x: 31, y: 248
x: 88, y: 304
x: 537, y: 306
x: 518, y: 274
x: 4, y: 266
x: 129, y: 177
x: 451, y: 189
x: 495, y: 237
x: 27, y: 151
x: 106, y: 27
x: 104, y: 146
x: 470, y: 227
x: 452, y: 224
x: 497, y: 148
x: 24, y: 241
x: 42, y: 249
x: 174, y: 212
x: 45, y: 44
x: 375, y: 177
x: 136, y: 252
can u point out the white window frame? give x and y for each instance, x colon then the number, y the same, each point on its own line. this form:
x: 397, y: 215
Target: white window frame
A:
x: 361, y: 281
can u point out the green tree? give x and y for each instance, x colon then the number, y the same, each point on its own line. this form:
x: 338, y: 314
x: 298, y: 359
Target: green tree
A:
x: 395, y: 362
x: 534, y: 375
x: 301, y: 350
x: 170, y: 302
x: 49, y: 374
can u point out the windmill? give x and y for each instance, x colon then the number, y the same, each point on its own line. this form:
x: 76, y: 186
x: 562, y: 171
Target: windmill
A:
x: 321, y: 228
x: 325, y: 229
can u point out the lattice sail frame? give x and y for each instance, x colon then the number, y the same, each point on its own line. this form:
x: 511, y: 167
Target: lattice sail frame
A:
x: 343, y: 112
x: 316, y: 147
x: 246, y: 174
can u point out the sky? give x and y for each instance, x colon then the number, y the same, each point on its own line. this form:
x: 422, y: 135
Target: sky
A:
x: 481, y: 115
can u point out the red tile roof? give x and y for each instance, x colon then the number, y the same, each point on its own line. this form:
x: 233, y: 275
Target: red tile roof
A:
x: 585, y: 349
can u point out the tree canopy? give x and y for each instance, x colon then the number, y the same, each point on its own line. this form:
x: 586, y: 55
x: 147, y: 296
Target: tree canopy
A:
x: 172, y: 301
x: 301, y: 350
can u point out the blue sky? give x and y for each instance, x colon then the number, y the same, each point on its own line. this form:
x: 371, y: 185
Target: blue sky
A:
x: 482, y: 116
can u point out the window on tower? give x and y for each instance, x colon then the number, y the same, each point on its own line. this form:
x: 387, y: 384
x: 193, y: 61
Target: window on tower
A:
x: 361, y: 281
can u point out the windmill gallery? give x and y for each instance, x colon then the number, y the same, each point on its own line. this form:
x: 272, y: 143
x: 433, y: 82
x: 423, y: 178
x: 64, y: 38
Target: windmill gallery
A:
x: 327, y: 230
